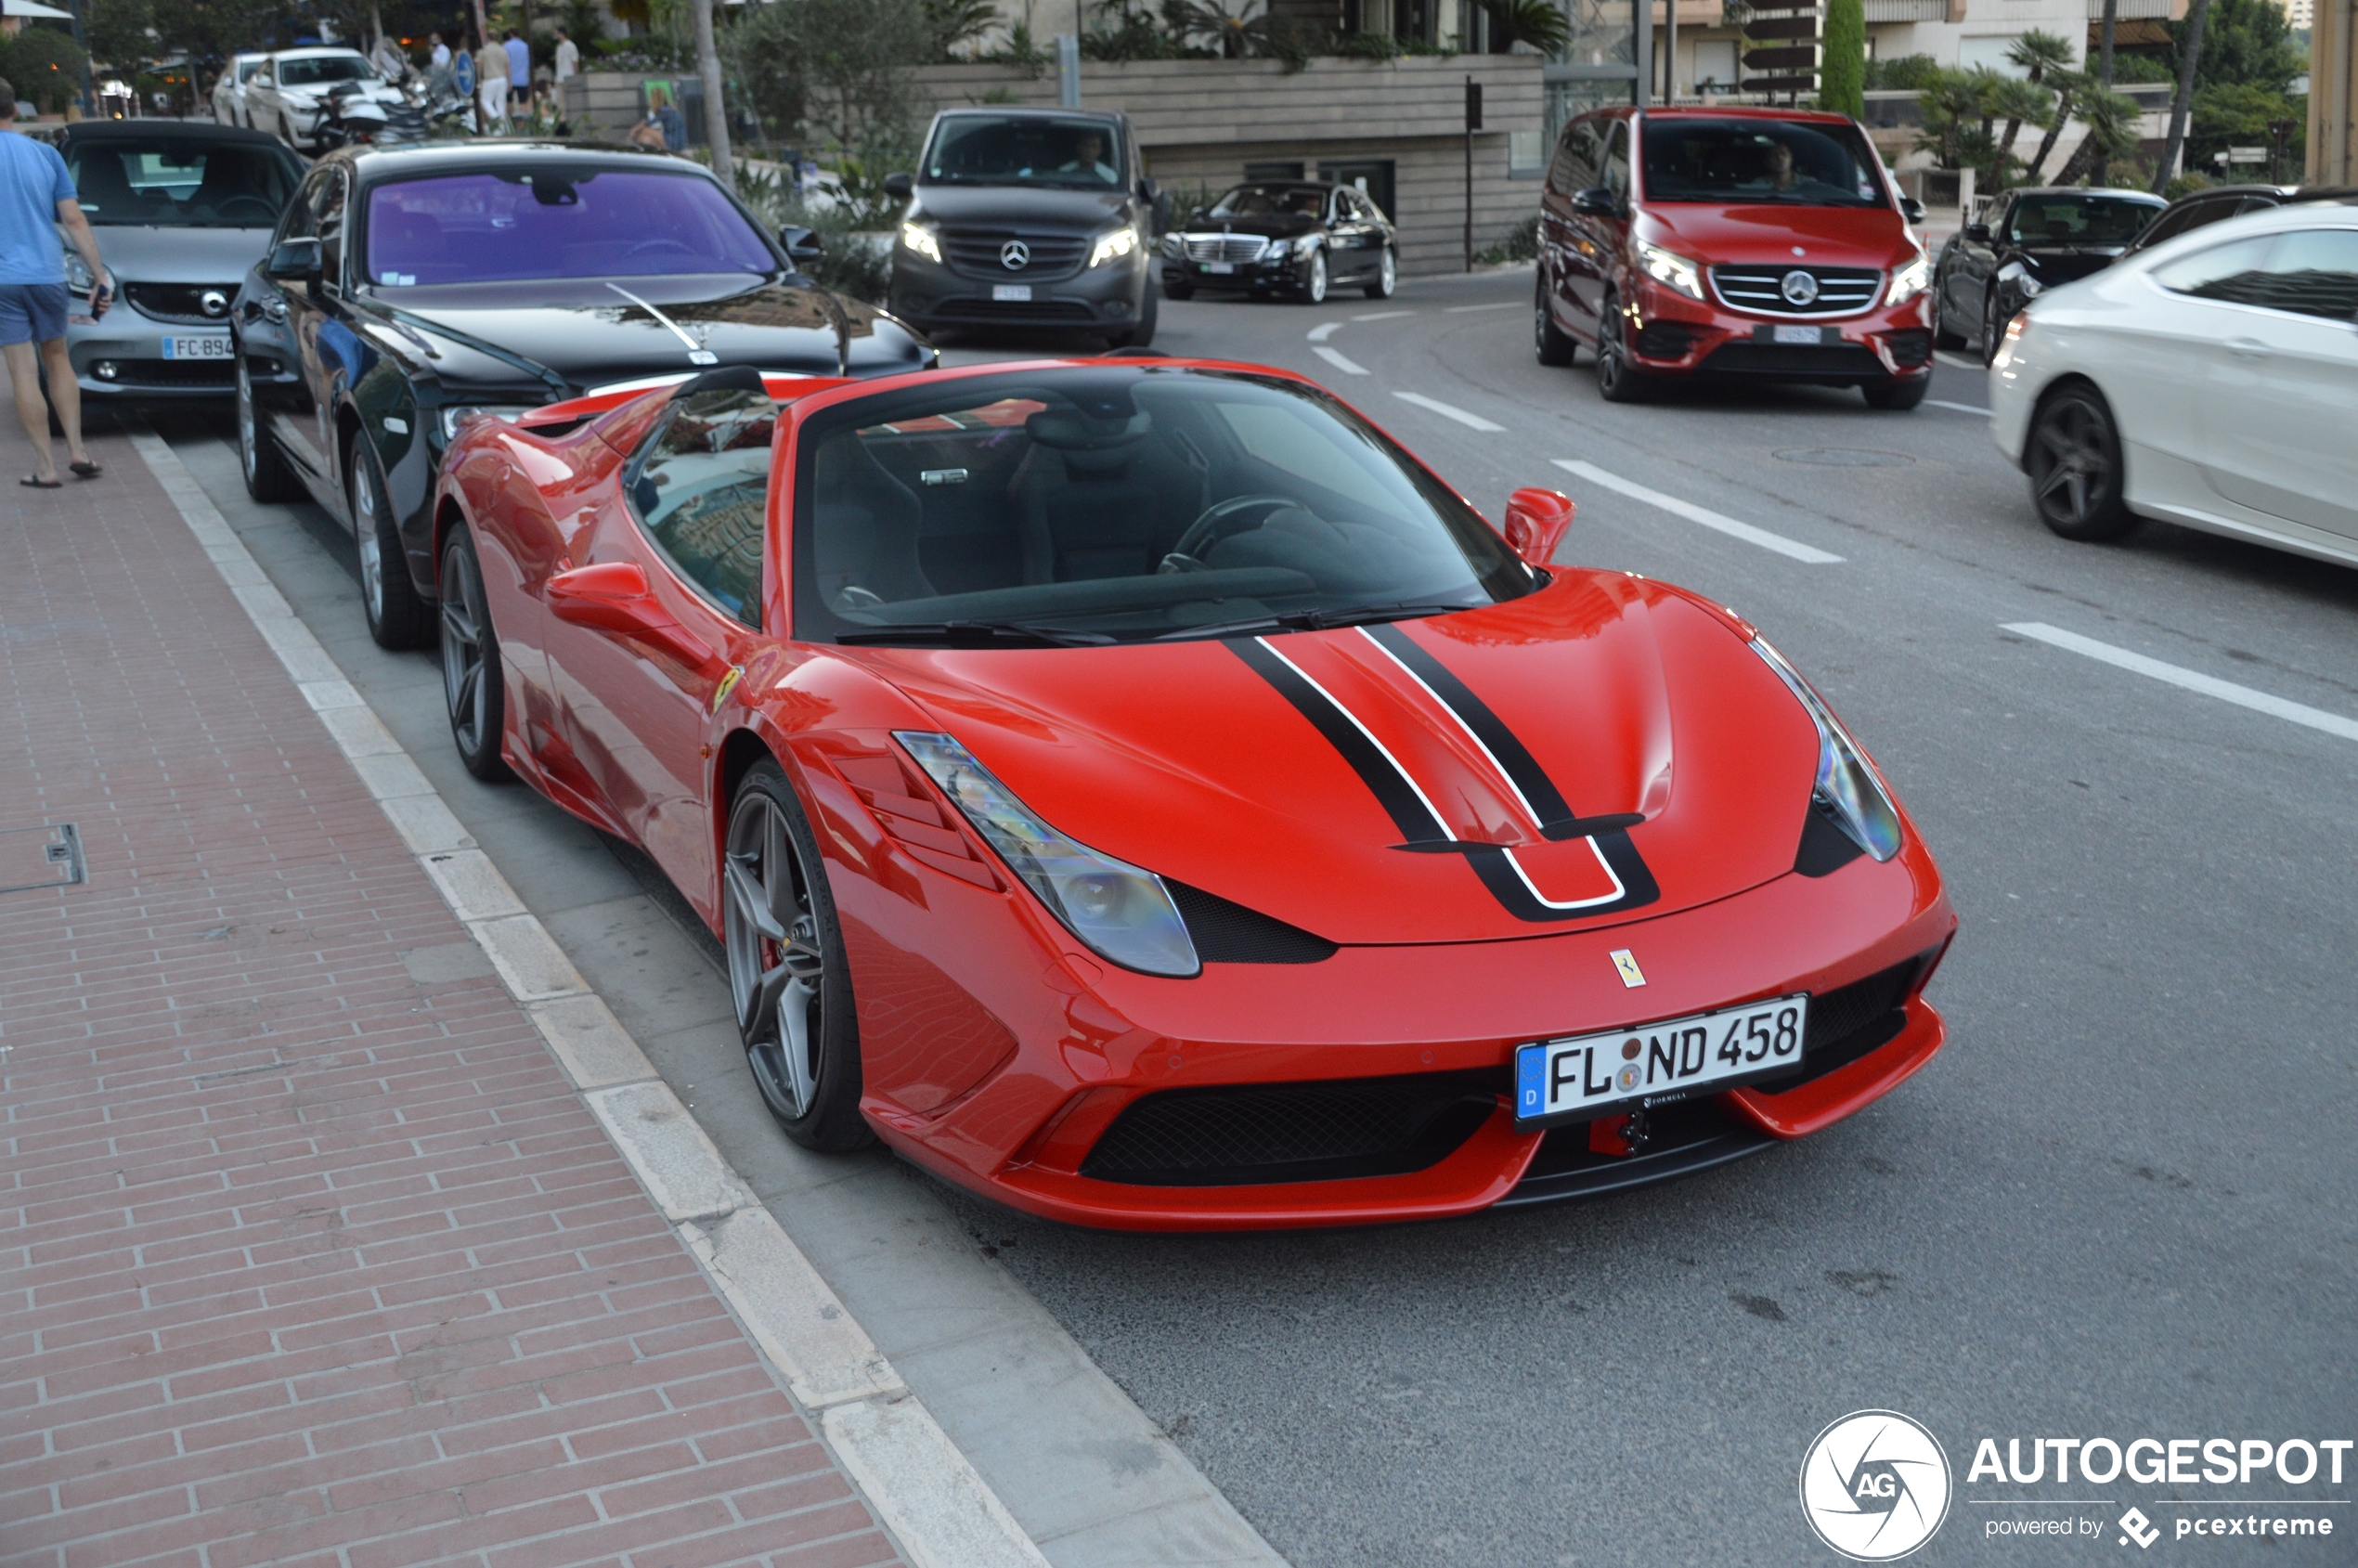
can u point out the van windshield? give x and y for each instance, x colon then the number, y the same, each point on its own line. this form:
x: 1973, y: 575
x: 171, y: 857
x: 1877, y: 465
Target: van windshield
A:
x: 1025, y: 149
x: 1791, y: 163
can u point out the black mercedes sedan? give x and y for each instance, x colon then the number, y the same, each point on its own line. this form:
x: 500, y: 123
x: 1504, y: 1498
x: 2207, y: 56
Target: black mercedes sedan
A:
x: 408, y: 288
x: 2030, y: 241
x: 1291, y: 238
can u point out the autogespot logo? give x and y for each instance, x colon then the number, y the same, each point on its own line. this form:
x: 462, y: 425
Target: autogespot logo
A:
x: 1874, y: 1485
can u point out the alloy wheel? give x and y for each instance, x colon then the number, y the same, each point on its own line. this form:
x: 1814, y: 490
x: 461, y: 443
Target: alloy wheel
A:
x: 1314, y: 289
x: 776, y: 956
x: 248, y: 437
x: 371, y: 550
x: 2075, y: 473
x: 462, y: 672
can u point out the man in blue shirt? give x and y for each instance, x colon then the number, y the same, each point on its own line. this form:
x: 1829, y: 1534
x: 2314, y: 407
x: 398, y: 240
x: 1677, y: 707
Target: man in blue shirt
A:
x: 36, y: 198
x: 519, y: 73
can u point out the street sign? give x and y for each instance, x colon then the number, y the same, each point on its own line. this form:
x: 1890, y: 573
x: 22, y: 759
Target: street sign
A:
x: 2247, y: 155
x: 1473, y: 104
x: 463, y: 70
x: 1792, y: 62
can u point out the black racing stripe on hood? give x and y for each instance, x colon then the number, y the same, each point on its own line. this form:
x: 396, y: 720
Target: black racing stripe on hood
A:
x: 1384, y: 780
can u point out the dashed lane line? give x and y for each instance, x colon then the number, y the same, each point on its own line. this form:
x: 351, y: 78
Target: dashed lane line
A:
x: 927, y: 1492
x: 1462, y: 309
x: 1450, y: 411
x: 2187, y: 679
x: 1792, y: 549
x: 1335, y: 357
x: 1961, y: 407
x: 1324, y: 330
x: 1384, y: 314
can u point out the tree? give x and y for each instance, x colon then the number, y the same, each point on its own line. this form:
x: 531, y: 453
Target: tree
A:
x: 1953, y: 103
x: 2071, y: 86
x: 120, y: 32
x: 45, y: 68
x: 1540, y: 23
x: 2035, y: 53
x: 2244, y: 40
x: 2111, y: 122
x: 838, y: 71
x: 716, y: 112
x: 1842, y: 80
x: 955, y: 23
x: 2189, y: 58
x: 2237, y: 114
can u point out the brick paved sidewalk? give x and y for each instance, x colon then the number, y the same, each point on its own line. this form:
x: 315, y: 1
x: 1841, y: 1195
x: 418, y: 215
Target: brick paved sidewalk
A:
x: 309, y: 1253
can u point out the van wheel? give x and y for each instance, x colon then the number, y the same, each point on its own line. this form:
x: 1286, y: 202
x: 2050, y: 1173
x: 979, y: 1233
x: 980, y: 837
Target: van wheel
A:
x: 1551, y: 343
x: 1894, y: 393
x: 1617, y: 382
x: 1144, y: 332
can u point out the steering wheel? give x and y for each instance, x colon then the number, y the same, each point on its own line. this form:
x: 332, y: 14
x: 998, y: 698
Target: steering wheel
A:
x: 230, y: 205
x: 656, y: 246
x: 1220, y: 521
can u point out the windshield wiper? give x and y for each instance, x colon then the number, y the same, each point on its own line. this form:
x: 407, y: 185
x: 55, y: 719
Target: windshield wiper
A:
x: 1312, y: 620
x: 972, y: 634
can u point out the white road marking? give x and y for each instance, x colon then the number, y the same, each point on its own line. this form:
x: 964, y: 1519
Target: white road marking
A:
x: 1956, y: 364
x: 1461, y: 309
x: 2189, y: 680
x: 1334, y: 357
x: 1324, y: 330
x: 1793, y: 549
x: 1961, y: 407
x: 1471, y: 421
x: 1382, y: 315
x: 928, y: 1492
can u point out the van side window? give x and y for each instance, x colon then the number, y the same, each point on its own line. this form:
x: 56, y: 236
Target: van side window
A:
x: 1616, y: 163
x: 1574, y: 168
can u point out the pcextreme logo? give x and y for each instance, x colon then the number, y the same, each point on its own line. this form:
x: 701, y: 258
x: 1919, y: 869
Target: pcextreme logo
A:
x: 1874, y: 1485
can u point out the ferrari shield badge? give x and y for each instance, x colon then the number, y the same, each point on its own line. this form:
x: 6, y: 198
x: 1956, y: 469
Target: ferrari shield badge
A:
x: 1626, y: 962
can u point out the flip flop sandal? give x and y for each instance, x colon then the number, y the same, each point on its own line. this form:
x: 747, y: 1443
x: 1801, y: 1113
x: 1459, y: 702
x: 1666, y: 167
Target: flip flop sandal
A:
x: 84, y: 469
x: 30, y: 482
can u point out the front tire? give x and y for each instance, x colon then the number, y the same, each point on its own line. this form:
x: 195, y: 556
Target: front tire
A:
x: 1313, y: 288
x: 1387, y: 278
x: 1897, y: 395
x: 2073, y: 458
x: 1942, y: 336
x: 397, y: 615
x: 1554, y: 345
x: 1617, y: 382
x: 1174, y: 290
x: 787, y: 973
x: 266, y: 474
x: 1992, y: 326
x: 1144, y: 332
x: 475, y: 687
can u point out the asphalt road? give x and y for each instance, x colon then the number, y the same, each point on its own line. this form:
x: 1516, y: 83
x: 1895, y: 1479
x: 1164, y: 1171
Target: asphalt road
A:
x: 2118, y: 1203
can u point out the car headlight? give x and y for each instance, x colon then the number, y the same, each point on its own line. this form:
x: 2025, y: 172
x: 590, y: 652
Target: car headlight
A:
x: 1671, y: 269
x: 1848, y: 789
x: 452, y: 415
x: 1113, y: 246
x: 919, y: 238
x: 1307, y: 243
x: 1175, y: 244
x: 1121, y: 912
x: 1911, y: 280
x: 78, y: 279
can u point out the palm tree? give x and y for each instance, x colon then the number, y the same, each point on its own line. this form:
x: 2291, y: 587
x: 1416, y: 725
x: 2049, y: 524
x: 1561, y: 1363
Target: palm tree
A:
x: 2018, y: 102
x: 2184, y: 97
x: 1235, y: 28
x: 2036, y: 52
x: 1540, y: 23
x: 2111, y: 120
x: 2070, y: 87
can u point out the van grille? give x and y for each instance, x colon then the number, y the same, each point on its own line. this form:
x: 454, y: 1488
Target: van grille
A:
x: 982, y: 251
x: 1842, y: 290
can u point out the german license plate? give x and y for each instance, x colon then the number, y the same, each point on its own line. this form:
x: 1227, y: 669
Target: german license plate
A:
x: 1801, y: 334
x: 197, y: 348
x: 1018, y: 292
x: 1221, y: 266
x: 1588, y: 1075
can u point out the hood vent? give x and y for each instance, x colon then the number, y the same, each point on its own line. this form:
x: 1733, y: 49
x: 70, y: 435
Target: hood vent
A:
x: 1229, y: 933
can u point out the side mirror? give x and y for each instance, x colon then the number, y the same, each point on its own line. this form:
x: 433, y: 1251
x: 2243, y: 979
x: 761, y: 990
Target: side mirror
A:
x: 1535, y: 523
x: 613, y: 596
x: 1597, y: 203
x: 294, y: 261
x: 1148, y: 190
x: 1911, y: 209
x: 898, y: 187
x: 1979, y: 233
x: 803, y: 245
x: 1196, y: 216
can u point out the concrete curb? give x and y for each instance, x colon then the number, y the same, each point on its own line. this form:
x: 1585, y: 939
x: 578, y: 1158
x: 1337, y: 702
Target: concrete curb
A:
x: 926, y: 1492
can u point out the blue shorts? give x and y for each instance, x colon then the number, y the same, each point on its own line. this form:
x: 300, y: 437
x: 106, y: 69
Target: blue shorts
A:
x: 33, y: 311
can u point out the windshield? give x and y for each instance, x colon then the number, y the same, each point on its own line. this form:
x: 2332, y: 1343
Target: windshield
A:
x: 1272, y: 200
x: 1121, y: 503
x: 312, y: 71
x: 247, y: 68
x: 2077, y: 220
x: 1028, y: 150
x: 1790, y: 161
x: 167, y: 185
x: 556, y: 223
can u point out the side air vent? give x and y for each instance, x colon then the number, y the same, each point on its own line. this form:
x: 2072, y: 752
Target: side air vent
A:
x: 1229, y: 933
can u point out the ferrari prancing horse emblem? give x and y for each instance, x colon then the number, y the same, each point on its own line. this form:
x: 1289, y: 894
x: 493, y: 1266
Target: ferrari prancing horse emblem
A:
x: 1626, y: 962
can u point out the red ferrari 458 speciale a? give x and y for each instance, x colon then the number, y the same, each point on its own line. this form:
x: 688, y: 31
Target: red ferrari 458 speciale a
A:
x: 1139, y: 791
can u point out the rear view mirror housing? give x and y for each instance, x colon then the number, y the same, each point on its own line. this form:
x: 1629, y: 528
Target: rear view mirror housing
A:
x: 1979, y: 233
x: 293, y: 261
x: 614, y: 596
x: 1536, y: 520
x: 803, y: 245
x: 1911, y: 209
x: 1597, y: 203
x: 898, y: 187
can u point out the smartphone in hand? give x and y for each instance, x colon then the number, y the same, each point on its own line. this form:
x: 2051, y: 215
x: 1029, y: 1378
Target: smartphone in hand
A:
x: 100, y: 298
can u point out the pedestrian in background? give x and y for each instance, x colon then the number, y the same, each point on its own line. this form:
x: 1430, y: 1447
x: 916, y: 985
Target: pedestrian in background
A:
x: 491, y: 86
x: 439, y: 59
x: 36, y: 199
x: 519, y: 71
x: 663, y: 129
x: 568, y: 59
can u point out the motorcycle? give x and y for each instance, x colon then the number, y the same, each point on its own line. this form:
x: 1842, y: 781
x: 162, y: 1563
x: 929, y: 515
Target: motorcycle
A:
x: 350, y: 117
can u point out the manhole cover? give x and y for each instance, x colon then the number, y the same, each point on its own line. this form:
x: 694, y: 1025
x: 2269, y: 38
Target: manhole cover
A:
x: 1845, y: 457
x: 40, y: 857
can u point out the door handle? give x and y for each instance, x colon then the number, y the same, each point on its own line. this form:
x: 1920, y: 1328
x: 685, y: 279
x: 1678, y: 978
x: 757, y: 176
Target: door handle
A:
x: 2249, y: 348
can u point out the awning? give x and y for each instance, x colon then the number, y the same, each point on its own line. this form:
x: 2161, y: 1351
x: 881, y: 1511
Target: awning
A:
x: 34, y: 8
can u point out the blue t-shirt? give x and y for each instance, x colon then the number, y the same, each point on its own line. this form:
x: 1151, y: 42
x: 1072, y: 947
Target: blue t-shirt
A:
x: 32, y: 181
x: 519, y: 66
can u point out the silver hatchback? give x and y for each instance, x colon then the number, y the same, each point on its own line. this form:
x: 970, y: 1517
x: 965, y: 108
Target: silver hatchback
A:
x: 182, y: 209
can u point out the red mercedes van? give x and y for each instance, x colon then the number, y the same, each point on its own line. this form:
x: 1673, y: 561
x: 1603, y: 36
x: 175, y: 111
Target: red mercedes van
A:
x: 1764, y: 243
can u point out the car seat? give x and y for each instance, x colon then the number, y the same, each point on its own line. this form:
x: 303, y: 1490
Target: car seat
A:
x: 1101, y: 498
x: 866, y: 529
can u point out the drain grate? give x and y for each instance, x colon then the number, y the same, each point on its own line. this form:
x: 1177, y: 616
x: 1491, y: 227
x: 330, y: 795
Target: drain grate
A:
x: 40, y: 857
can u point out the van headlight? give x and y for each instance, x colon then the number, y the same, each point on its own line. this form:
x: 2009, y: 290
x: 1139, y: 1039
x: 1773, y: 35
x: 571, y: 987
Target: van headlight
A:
x: 1670, y: 268
x: 1113, y: 246
x: 1911, y: 280
x: 1118, y: 910
x: 919, y: 238
x: 1847, y: 788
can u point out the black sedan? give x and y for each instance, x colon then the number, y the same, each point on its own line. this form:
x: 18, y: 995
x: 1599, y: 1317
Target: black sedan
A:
x: 2203, y: 208
x: 1292, y: 238
x: 405, y: 287
x: 2031, y: 240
